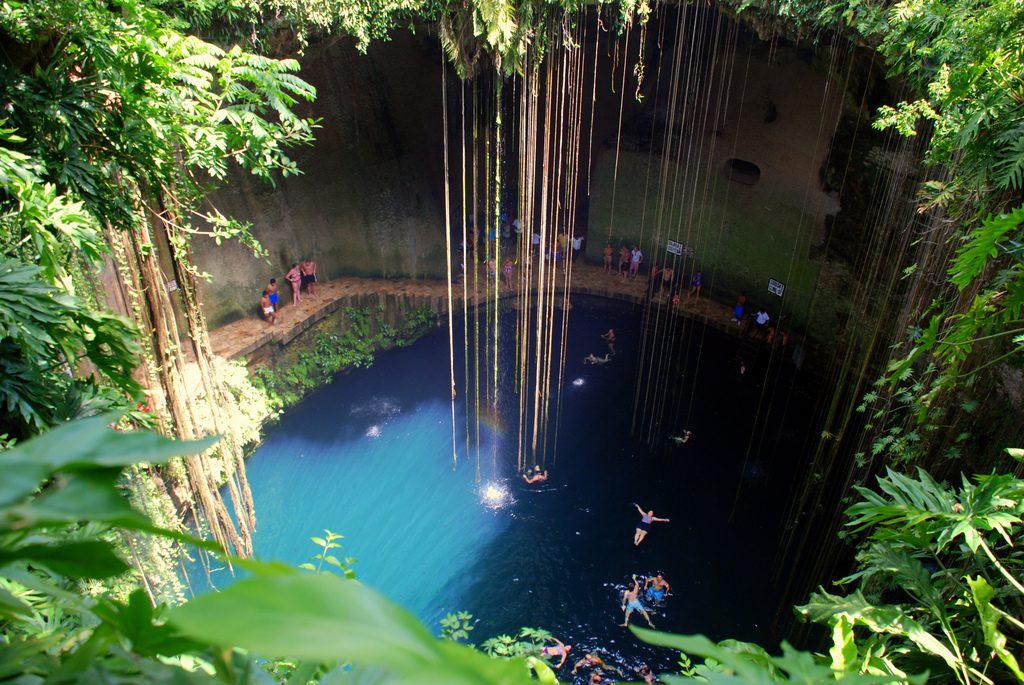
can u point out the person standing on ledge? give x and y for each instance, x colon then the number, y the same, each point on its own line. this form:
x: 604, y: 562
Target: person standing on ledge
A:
x: 635, y: 258
x: 623, y: 262
x: 294, y: 277
x: 309, y: 276
x: 698, y: 281
x: 762, y: 321
x: 737, y: 313
x: 608, y: 258
x: 268, y: 308
x: 508, y: 274
x: 272, y: 292
x: 644, y: 527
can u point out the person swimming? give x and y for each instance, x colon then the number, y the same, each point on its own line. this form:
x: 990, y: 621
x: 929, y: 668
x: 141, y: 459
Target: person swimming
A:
x: 537, y: 475
x: 656, y: 588
x: 591, y: 359
x: 680, y: 439
x: 559, y: 650
x: 644, y: 526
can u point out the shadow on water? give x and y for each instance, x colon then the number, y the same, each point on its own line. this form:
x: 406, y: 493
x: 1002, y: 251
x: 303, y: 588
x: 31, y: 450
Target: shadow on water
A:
x: 370, y: 457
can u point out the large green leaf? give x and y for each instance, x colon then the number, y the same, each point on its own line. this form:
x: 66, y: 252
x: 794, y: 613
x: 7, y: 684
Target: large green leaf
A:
x: 91, y: 443
x: 134, y: 622
x: 990, y: 615
x: 88, y: 559
x: 823, y: 607
x: 79, y: 496
x: 741, y: 669
x: 844, y: 647
x: 19, y: 477
x: 326, y: 618
x: 11, y: 606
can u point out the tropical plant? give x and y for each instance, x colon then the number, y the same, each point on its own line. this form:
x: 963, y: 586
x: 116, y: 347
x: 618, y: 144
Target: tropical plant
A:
x: 59, y: 504
x: 528, y: 642
x: 328, y: 543
x: 45, y: 337
x: 937, y: 579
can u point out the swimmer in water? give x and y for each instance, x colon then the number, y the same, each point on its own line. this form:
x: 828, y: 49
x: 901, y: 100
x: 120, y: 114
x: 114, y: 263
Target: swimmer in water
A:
x: 591, y: 359
x: 680, y: 439
x: 588, y: 661
x: 631, y: 603
x: 610, y: 337
x: 559, y: 650
x: 644, y: 527
x: 537, y: 475
x: 656, y: 588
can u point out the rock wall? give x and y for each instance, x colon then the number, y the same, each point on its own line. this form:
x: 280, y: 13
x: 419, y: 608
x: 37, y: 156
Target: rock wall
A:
x: 370, y: 199
x: 749, y: 220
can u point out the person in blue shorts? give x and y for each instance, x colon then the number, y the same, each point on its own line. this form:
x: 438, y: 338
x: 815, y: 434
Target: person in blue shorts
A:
x: 656, y: 588
x: 272, y: 292
x: 631, y: 603
x: 695, y: 284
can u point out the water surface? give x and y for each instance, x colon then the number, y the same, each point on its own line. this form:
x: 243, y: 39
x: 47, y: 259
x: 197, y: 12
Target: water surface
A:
x: 370, y: 456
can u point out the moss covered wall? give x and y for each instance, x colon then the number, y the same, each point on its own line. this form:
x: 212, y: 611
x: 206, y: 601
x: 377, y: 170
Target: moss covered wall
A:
x: 370, y: 202
x: 779, y: 115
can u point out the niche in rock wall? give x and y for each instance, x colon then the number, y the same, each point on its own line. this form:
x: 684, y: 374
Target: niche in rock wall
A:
x: 742, y: 171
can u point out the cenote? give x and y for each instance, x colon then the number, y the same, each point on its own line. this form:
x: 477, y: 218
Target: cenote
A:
x: 369, y: 456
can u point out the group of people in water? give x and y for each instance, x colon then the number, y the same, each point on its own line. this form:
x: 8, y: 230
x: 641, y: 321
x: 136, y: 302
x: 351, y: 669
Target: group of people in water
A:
x: 650, y: 589
x: 655, y: 589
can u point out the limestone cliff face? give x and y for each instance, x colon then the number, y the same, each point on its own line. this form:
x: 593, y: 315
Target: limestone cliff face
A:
x: 371, y: 199
x: 731, y: 160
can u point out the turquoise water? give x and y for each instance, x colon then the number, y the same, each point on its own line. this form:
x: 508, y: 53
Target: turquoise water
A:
x: 370, y: 457
x: 398, y: 459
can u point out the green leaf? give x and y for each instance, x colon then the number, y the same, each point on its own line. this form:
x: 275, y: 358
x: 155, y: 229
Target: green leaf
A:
x: 823, y: 607
x: 90, y: 443
x: 844, y: 647
x: 19, y: 477
x: 90, y: 559
x: 990, y: 615
x: 135, y: 622
x: 313, y: 617
x: 11, y: 606
x: 81, y: 496
x: 324, y: 618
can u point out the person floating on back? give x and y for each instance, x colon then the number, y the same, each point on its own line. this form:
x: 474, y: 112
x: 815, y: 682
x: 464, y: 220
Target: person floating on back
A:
x: 559, y: 650
x: 644, y: 527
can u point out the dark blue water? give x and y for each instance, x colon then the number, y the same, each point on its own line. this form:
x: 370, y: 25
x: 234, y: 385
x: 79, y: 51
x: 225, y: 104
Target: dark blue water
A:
x: 371, y: 457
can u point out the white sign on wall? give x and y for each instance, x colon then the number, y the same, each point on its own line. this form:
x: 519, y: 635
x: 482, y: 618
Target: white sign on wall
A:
x: 172, y: 286
x: 775, y: 287
x: 680, y: 249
